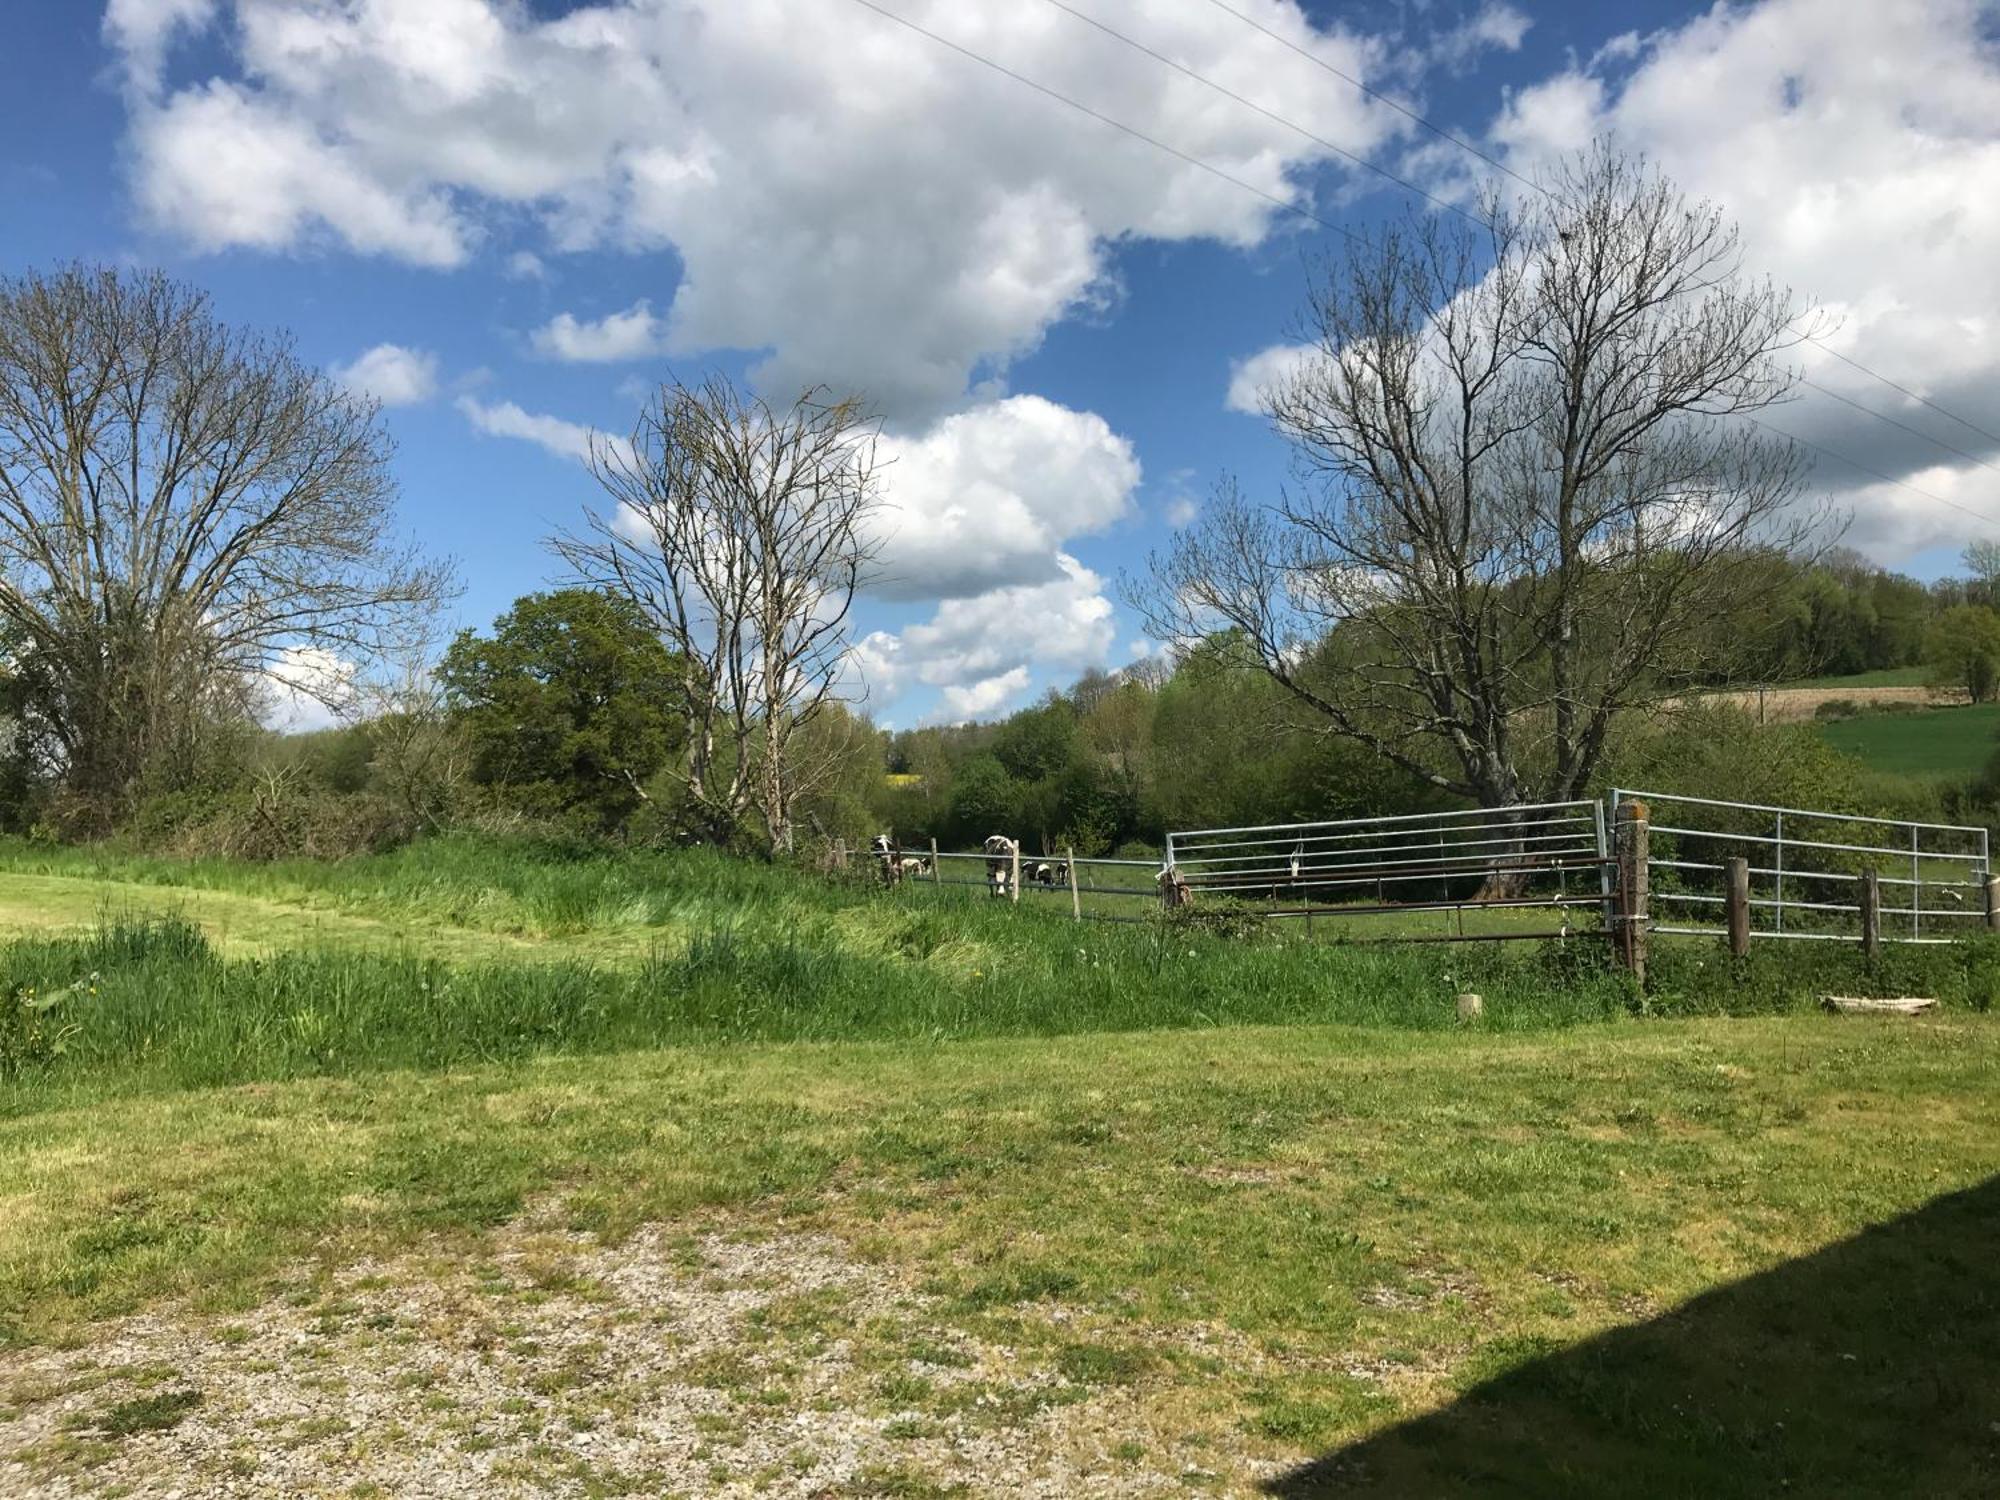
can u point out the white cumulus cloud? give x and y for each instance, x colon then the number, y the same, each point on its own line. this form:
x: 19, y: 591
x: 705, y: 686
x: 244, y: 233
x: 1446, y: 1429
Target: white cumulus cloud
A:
x: 980, y: 652
x: 142, y: 31
x: 1495, y: 26
x: 307, y: 688
x: 564, y: 439
x: 229, y: 167
x: 982, y: 699
x: 988, y: 496
x: 632, y: 334
x: 869, y: 208
x: 1249, y: 378
x: 392, y: 374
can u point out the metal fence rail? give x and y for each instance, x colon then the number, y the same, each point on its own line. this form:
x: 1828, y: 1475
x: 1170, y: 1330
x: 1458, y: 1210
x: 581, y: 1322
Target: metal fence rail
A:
x: 1132, y: 885
x: 1549, y: 855
x: 1683, y: 866
x: 1807, y: 869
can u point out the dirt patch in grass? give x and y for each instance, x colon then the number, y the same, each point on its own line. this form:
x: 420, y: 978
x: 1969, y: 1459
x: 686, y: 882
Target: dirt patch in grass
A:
x: 710, y: 1364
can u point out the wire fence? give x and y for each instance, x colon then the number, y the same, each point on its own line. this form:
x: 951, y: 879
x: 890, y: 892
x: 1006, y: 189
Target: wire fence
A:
x: 1807, y: 870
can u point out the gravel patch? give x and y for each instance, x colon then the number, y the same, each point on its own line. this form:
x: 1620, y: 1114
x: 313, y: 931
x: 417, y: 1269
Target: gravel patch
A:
x: 668, y: 1364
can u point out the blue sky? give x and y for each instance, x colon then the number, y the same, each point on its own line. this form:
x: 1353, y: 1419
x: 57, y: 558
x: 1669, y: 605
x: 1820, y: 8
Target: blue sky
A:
x: 531, y: 212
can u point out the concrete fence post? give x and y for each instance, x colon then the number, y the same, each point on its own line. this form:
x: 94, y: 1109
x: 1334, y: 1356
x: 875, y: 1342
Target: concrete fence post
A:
x: 1014, y: 882
x: 1871, y: 913
x: 1075, y: 898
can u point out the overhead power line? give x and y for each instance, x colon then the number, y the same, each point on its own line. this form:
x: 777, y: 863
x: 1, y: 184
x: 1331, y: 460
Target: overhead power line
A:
x: 1499, y: 166
x: 1377, y: 95
x: 1078, y: 105
x: 1287, y: 206
x: 1941, y: 411
x: 1854, y: 463
x: 1228, y: 93
x: 1971, y: 458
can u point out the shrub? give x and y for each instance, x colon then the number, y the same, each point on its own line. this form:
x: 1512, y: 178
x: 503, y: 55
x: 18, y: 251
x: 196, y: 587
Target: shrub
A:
x: 33, y: 1030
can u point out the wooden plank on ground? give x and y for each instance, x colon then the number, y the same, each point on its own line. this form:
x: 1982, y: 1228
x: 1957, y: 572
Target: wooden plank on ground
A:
x: 1899, y: 1005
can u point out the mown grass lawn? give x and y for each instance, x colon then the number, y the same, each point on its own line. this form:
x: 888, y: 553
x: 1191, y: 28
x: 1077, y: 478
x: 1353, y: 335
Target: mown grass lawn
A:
x: 1282, y: 1241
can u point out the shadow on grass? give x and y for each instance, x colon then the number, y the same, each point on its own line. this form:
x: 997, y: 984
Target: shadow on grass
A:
x: 1869, y: 1368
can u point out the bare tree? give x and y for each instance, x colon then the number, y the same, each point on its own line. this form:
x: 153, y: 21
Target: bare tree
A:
x: 183, y: 509
x: 1523, y: 491
x: 420, y: 754
x: 1981, y: 559
x: 743, y: 534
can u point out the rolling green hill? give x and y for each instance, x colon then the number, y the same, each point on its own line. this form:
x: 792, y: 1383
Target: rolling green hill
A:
x: 1955, y: 741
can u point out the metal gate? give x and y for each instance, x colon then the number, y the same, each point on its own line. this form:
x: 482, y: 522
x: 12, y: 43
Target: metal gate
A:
x: 1550, y: 856
x: 1807, y: 869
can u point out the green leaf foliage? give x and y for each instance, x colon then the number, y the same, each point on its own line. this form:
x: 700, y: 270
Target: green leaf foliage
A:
x: 569, y: 704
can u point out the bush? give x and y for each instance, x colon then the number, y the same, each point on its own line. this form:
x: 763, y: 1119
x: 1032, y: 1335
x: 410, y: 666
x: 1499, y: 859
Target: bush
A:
x: 1703, y: 750
x: 33, y: 1032
x: 1837, y: 708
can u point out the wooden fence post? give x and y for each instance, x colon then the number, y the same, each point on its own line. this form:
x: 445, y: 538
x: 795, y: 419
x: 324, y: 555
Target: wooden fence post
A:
x: 1871, y: 913
x: 1738, y: 870
x: 936, y: 872
x: 840, y: 854
x: 1633, y: 886
x: 1993, y: 903
x: 1075, y: 899
x: 1014, y: 883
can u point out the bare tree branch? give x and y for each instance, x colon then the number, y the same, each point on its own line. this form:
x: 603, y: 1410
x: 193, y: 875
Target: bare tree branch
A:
x: 1520, y: 499
x: 742, y: 533
x: 181, y: 506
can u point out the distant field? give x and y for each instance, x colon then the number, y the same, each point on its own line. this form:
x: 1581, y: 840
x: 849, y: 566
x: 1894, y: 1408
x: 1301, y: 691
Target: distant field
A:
x: 1800, y: 700
x: 1912, y: 677
x: 1954, y: 741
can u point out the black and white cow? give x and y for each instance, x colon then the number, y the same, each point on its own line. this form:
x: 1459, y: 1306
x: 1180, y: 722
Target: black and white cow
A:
x: 1050, y: 873
x: 886, y: 855
x: 913, y: 864
x: 1001, y: 853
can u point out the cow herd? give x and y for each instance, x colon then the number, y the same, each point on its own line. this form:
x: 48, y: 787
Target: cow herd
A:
x: 896, y: 864
x: 1003, y: 859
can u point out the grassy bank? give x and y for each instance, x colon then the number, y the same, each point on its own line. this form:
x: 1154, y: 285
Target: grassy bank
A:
x: 149, y: 1002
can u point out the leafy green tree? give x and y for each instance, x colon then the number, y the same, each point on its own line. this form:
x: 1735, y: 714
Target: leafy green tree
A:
x: 1962, y: 651
x: 1118, y: 728
x: 983, y: 800
x: 568, y: 705
x: 1712, y: 746
x: 1038, y: 743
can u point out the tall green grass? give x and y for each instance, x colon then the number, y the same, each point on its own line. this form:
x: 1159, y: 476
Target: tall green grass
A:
x: 147, y: 1001
x: 542, y: 887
